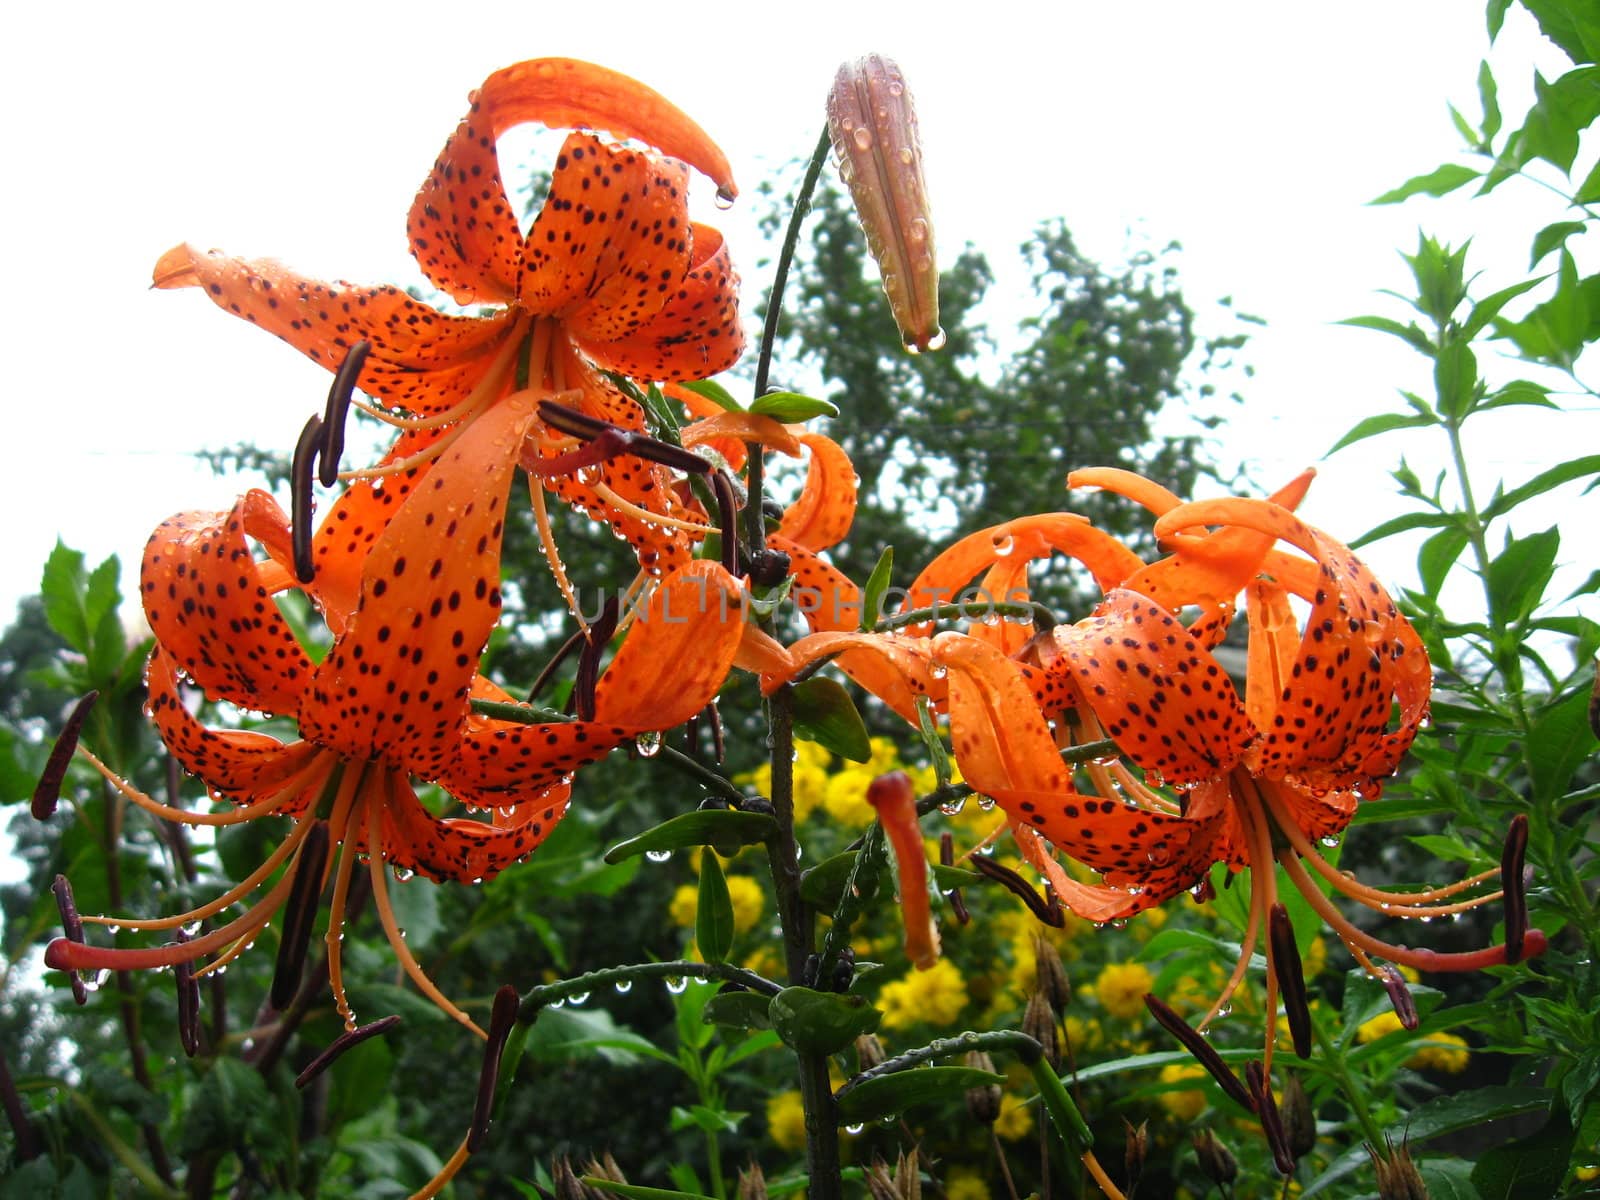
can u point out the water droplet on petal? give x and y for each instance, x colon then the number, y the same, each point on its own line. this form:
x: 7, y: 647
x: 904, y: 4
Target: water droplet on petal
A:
x: 658, y: 856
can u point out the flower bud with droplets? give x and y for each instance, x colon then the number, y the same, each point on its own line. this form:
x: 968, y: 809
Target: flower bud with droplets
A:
x: 873, y: 125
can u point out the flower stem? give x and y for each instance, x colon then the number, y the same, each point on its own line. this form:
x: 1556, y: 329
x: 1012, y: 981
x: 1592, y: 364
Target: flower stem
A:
x: 536, y: 998
x: 1334, y: 1065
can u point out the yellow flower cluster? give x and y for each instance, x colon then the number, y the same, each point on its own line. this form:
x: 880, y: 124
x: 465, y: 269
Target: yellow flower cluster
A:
x: 743, y: 892
x: 1445, y: 1052
x: 1188, y: 1103
x: 932, y: 997
x: 786, y: 1121
x: 1121, y: 988
x: 965, y: 1183
x: 1015, y: 1121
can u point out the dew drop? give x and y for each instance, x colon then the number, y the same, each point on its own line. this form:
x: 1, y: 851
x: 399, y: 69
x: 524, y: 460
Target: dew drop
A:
x: 952, y: 808
x: 1330, y: 840
x: 577, y: 998
x: 648, y: 743
x: 986, y: 803
x: 937, y: 341
x: 724, y: 199
x: 676, y: 984
x: 855, y: 1129
x: 559, y: 1002
x: 403, y: 874
x: 862, y: 138
x: 658, y: 856
x: 1005, y: 546
x: 623, y: 986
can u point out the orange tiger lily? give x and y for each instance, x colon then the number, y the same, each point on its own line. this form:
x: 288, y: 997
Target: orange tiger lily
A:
x: 391, y: 701
x: 612, y: 275
x: 1260, y: 779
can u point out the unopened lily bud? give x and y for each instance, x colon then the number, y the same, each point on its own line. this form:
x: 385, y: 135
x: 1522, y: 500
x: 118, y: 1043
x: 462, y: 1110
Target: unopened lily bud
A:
x: 869, y: 1051
x: 1216, y: 1160
x: 1039, y: 1023
x: 752, y: 1183
x: 983, y: 1101
x: 1299, y: 1119
x: 1051, y: 975
x: 566, y: 1182
x: 1398, y: 1177
x: 873, y: 125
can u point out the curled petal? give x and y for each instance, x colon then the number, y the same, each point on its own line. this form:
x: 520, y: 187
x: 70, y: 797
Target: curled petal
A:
x: 422, y: 360
x: 209, y: 610
x: 1086, y: 900
x: 999, y: 736
x: 894, y: 668
x: 696, y: 334
x: 461, y: 849
x: 677, y: 653
x: 1160, y: 695
x: 821, y: 516
x: 739, y: 426
x: 395, y: 684
x: 895, y: 802
x: 1033, y: 537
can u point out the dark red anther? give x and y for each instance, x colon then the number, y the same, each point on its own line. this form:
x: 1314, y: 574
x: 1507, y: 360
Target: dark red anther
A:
x: 188, y: 1002
x: 301, y: 470
x: 1012, y: 882
x: 947, y: 858
x: 47, y: 792
x: 727, y: 520
x: 299, y: 915
x: 501, y: 1019
x: 1291, y: 979
x: 1204, y: 1052
x: 1405, y: 1007
x: 1271, y: 1120
x: 340, y: 1044
x: 606, y: 441
x: 333, y: 418
x: 1204, y: 891
x: 72, y: 924
x: 1512, y: 860
x: 598, y: 637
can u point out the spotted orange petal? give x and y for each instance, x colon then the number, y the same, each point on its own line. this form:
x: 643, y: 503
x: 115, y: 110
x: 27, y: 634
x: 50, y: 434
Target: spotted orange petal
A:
x: 208, y: 608
x: 461, y: 849
x: 1032, y: 537
x: 395, y: 683
x: 894, y: 668
x: 1357, y: 658
x: 611, y: 242
x: 422, y: 360
x: 822, y: 514
x: 1085, y: 900
x: 677, y: 653
x: 1158, y: 693
x: 235, y: 763
x: 999, y: 736
x: 696, y: 334
x: 722, y: 425
x: 497, y: 758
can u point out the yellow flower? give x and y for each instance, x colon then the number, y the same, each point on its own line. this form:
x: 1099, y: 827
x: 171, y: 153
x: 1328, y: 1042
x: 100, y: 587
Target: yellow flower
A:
x: 1150, y: 920
x: 1121, y: 989
x: 1188, y: 1104
x: 846, y: 797
x: 1441, y: 1052
x: 932, y: 997
x: 1015, y: 1121
x: 1384, y: 1023
x: 1315, y: 957
x: 1084, y: 1035
x: 748, y: 902
x: 684, y: 902
x: 786, y: 1121
x: 964, y: 1183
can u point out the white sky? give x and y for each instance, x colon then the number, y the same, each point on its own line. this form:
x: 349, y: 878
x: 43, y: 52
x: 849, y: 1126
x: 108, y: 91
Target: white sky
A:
x: 1252, y: 133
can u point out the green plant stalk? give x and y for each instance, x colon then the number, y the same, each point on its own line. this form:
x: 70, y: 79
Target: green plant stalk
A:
x: 1013, y: 1040
x: 1334, y: 1065
x: 536, y: 998
x: 120, y: 1150
x: 719, y: 1188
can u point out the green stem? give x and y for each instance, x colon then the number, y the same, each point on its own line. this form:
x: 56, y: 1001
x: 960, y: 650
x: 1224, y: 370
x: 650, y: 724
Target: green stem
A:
x: 1333, y: 1063
x: 714, y: 1164
x: 780, y: 275
x: 536, y: 998
x: 1013, y: 1040
x: 120, y: 1150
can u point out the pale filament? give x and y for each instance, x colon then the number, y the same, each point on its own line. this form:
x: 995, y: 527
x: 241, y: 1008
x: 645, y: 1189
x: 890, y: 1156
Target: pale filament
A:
x: 1140, y: 791
x: 391, y: 927
x: 552, y: 556
x: 644, y: 514
x: 296, y: 781
x: 1263, y: 895
x: 1371, y: 896
x: 446, y: 1173
x: 334, y: 938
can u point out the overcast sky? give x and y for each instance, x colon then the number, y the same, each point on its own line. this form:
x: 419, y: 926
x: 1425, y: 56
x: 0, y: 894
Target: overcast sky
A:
x: 1251, y: 133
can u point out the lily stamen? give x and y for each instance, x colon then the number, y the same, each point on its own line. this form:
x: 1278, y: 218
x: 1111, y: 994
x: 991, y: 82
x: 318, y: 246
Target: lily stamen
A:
x: 728, y: 519
x: 502, y: 1018
x: 340, y: 393
x: 1016, y: 884
x: 1513, y: 886
x: 1204, y: 1052
x: 300, y: 914
x: 1405, y: 1006
x: 188, y: 1004
x: 1291, y: 979
x: 302, y: 472
x: 351, y: 1037
x: 72, y: 924
x: 47, y: 792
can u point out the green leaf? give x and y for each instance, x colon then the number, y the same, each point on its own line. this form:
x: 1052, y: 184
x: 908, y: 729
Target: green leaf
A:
x: 416, y: 906
x: 1519, y: 573
x: 1519, y: 391
x: 714, y: 392
x: 825, y: 714
x: 1410, y: 334
x: 890, y: 1095
x: 634, y: 1191
x: 1448, y: 1179
x: 62, y: 589
x: 1488, y: 96
x: 1567, y: 472
x: 1489, y: 307
x: 1402, y: 523
x: 877, y: 585
x: 792, y: 408
x: 709, y: 1120
x: 1437, y: 555
x: 1558, y: 743
x: 1455, y: 378
x: 1437, y: 182
x: 821, y: 1022
x: 739, y: 1010
x: 1589, y: 190
x: 232, y: 1110
x: 1382, y: 423
x: 1530, y: 1166
x: 1553, y: 237
x: 726, y: 829
x: 713, y: 917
